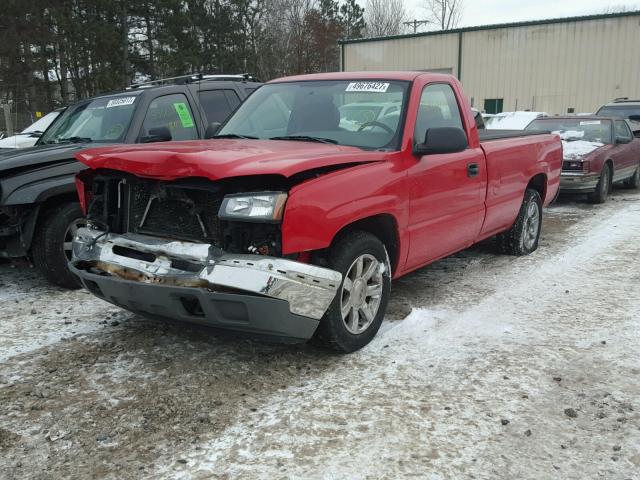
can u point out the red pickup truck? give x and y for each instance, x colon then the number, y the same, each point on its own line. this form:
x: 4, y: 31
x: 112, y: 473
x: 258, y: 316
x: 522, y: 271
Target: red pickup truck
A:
x: 292, y: 222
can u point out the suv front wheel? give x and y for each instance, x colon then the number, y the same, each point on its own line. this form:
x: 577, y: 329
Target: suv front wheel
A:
x: 51, y: 249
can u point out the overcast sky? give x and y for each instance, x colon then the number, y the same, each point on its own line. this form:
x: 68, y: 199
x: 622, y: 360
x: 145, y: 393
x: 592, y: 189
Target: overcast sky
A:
x: 483, y: 12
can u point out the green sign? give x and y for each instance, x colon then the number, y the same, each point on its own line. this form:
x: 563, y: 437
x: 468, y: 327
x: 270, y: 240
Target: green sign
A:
x: 184, y: 114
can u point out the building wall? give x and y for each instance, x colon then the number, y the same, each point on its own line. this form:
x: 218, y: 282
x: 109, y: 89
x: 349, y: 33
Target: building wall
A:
x: 550, y: 67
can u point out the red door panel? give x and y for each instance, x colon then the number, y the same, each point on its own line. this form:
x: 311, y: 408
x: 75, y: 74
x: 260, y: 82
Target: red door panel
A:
x: 446, y: 204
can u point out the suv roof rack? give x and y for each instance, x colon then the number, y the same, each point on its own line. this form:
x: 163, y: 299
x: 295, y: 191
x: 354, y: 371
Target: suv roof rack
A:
x: 192, y: 78
x: 624, y: 99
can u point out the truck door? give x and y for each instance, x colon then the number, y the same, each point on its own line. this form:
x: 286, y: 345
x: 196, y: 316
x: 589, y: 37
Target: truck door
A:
x: 447, y: 191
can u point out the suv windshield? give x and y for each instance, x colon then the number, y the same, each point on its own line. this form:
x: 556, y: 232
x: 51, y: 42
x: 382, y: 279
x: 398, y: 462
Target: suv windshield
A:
x: 363, y: 114
x: 590, y: 130
x: 104, y: 119
x: 623, y: 111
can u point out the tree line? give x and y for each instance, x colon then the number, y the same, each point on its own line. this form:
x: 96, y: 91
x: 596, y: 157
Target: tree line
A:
x: 55, y: 52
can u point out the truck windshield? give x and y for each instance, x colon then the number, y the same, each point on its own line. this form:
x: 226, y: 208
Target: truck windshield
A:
x: 104, y: 119
x: 573, y: 129
x: 363, y: 114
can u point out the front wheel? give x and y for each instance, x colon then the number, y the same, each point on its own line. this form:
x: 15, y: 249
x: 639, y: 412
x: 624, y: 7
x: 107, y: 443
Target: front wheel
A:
x: 51, y: 249
x: 603, y: 187
x: 357, y: 311
x: 523, y: 237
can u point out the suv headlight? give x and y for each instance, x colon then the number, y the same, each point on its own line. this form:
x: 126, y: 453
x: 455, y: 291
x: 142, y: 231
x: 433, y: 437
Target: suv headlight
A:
x: 253, y: 207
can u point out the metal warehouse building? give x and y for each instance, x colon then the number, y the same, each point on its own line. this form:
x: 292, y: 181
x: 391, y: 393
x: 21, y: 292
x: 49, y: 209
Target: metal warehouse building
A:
x: 556, y: 66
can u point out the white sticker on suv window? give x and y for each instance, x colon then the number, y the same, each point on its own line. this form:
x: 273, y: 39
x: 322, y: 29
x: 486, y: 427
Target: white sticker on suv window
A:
x: 591, y: 122
x: 119, y: 102
x: 379, y: 87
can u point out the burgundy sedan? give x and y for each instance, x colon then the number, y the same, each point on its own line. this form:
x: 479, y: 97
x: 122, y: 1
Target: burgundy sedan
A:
x: 598, y: 152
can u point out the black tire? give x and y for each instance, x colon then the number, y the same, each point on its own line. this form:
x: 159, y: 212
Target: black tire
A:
x: 603, y: 188
x: 48, y: 244
x: 633, y: 181
x: 523, y: 237
x: 333, y: 332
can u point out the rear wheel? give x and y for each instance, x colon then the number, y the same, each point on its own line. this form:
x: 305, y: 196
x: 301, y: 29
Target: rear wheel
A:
x: 523, y: 237
x: 604, y: 186
x: 633, y: 181
x: 51, y: 248
x: 357, y: 311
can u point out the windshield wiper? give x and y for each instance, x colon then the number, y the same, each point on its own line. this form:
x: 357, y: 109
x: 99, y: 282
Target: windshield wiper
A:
x: 305, y: 138
x: 235, y: 135
x: 75, y: 140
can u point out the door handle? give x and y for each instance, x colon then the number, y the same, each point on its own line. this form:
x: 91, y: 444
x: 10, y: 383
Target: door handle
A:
x: 473, y: 170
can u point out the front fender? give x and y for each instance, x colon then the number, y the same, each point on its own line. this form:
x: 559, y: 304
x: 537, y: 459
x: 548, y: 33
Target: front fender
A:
x: 318, y: 209
x: 36, y: 186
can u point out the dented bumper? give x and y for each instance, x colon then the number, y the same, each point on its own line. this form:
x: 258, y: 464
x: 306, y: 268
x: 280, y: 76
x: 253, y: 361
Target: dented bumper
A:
x: 199, y: 282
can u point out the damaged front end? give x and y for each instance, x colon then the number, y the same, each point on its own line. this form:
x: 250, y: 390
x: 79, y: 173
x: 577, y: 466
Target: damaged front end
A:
x: 163, y: 249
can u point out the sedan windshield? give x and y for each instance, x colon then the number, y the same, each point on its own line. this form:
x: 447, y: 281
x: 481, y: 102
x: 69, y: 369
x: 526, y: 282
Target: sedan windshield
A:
x: 104, y: 119
x: 363, y: 114
x: 590, y: 130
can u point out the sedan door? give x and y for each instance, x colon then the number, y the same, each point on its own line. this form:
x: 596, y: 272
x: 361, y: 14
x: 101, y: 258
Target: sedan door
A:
x: 624, y: 152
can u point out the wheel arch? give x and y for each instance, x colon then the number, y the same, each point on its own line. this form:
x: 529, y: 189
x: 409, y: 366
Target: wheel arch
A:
x: 48, y: 204
x: 384, y: 226
x: 539, y: 183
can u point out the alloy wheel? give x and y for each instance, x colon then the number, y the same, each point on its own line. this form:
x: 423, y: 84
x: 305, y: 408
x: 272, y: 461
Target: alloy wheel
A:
x: 361, y: 293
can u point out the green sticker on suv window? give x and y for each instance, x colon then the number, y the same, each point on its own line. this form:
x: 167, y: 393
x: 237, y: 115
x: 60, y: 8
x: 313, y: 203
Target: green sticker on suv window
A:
x: 184, y: 114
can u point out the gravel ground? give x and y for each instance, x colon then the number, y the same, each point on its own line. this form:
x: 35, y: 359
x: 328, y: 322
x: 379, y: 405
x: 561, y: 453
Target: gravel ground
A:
x: 487, y: 366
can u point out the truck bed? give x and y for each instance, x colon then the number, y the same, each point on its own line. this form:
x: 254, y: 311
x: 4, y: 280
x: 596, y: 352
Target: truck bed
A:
x: 487, y: 135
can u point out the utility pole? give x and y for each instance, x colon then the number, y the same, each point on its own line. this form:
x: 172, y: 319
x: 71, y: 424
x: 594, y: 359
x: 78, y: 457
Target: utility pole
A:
x: 416, y: 23
x: 7, y: 119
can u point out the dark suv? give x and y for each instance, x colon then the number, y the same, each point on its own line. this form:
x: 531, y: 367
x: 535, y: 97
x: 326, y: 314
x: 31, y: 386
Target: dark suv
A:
x: 624, y: 109
x: 39, y: 209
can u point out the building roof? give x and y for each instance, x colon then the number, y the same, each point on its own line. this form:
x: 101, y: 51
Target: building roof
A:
x: 549, y: 21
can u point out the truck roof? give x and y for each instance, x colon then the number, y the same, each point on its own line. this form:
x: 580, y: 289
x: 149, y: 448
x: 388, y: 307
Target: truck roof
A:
x: 386, y: 75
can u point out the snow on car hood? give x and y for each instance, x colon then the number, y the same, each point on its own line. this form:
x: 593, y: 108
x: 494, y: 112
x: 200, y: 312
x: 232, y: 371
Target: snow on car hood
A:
x: 578, y: 148
x: 222, y: 158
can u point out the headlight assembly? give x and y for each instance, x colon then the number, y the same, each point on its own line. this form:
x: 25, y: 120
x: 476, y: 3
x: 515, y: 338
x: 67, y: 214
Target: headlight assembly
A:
x: 253, y: 207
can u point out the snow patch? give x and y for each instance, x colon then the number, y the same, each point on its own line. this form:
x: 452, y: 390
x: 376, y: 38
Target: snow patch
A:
x: 578, y: 148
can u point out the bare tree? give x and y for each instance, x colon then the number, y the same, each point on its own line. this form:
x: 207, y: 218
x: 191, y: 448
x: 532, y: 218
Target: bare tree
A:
x: 384, y: 17
x: 444, y: 14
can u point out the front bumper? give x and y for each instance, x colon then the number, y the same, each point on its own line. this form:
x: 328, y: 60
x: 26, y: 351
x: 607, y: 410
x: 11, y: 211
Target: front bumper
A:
x: 202, y: 284
x: 578, y: 182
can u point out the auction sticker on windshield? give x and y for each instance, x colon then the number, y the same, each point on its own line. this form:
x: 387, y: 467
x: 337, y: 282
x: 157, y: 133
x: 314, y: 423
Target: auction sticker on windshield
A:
x: 184, y: 114
x: 367, y: 87
x: 119, y: 102
x: 591, y: 122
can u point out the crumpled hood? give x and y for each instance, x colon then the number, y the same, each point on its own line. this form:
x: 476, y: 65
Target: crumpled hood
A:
x: 223, y: 158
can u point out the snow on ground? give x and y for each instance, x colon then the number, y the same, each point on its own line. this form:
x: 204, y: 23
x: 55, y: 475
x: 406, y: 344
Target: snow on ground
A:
x: 488, y: 366
x: 43, y: 322
x: 421, y: 400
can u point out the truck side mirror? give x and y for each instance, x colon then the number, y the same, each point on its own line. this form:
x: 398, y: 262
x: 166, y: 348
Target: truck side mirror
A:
x: 442, y: 140
x: 159, y: 134
x: 212, y: 129
x: 623, y: 140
